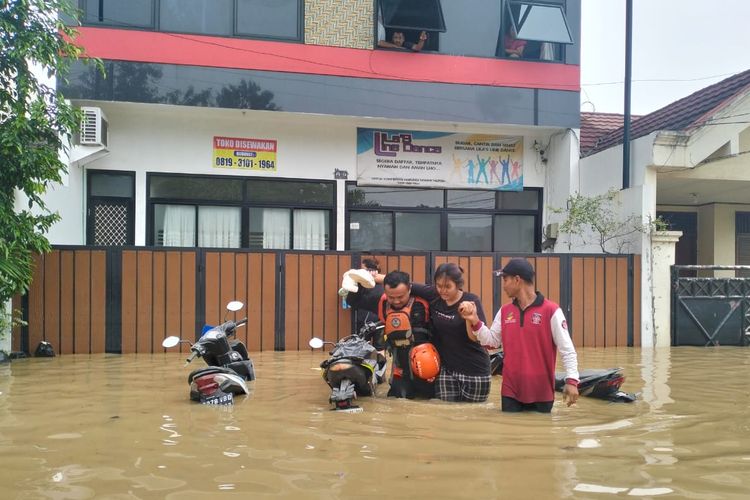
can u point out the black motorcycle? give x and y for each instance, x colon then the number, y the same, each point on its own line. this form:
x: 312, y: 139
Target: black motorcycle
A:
x: 229, y: 364
x: 353, y: 367
x: 600, y: 384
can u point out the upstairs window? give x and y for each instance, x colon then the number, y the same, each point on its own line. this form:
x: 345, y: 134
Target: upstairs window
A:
x: 542, y: 30
x: 411, y: 17
x: 540, y: 22
x: 418, y: 15
x: 211, y: 17
x: 274, y: 19
x: 131, y: 14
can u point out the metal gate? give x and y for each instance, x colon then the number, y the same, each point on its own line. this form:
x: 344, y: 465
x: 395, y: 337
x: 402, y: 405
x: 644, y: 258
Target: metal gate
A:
x: 710, y: 310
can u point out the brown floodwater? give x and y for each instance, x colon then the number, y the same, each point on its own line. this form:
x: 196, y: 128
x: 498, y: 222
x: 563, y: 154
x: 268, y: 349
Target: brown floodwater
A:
x: 122, y: 427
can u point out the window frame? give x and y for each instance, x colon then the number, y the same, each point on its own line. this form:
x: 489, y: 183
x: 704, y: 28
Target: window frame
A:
x: 532, y: 3
x: 90, y: 199
x: 444, y: 211
x: 300, y: 26
x: 84, y: 7
x: 244, y: 204
x: 441, y: 19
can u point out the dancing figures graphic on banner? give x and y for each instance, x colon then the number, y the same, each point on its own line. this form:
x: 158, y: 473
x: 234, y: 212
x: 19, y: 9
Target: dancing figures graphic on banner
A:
x: 439, y: 159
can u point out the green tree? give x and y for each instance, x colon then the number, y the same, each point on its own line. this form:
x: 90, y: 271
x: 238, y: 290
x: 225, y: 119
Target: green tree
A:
x: 598, y: 217
x: 35, y: 125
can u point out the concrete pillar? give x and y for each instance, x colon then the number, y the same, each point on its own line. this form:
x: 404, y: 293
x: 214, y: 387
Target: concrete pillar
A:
x: 716, y: 238
x: 663, y: 257
x: 5, y: 340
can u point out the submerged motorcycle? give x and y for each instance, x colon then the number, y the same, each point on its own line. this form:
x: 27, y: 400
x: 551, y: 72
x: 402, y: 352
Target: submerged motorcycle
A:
x: 352, y: 368
x: 229, y: 365
x: 600, y: 384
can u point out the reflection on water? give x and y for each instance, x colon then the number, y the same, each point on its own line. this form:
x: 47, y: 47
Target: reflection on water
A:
x: 122, y: 427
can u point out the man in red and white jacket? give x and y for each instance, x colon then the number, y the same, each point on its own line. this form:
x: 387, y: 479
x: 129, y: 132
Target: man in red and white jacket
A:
x: 531, y: 330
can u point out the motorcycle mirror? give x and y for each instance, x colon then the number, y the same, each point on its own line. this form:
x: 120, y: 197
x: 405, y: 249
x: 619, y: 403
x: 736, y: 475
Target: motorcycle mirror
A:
x: 315, y: 343
x: 170, y: 341
x: 235, y: 305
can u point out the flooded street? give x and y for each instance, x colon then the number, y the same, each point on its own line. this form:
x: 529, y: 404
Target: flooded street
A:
x: 110, y: 426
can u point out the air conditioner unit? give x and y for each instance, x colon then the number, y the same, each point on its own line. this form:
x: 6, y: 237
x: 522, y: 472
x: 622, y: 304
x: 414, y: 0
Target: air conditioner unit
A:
x: 93, y: 127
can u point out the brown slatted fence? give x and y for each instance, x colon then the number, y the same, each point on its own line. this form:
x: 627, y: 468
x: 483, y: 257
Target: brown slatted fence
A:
x: 478, y: 277
x: 249, y: 277
x: 311, y: 306
x: 289, y: 296
x: 600, y: 301
x: 66, y: 302
x: 158, y: 297
x: 413, y: 264
x: 548, y: 277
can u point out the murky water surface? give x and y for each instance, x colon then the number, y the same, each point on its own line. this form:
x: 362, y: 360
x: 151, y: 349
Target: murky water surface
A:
x: 122, y: 427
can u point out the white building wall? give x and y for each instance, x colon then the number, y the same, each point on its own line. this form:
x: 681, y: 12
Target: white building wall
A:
x: 560, y: 181
x: 69, y: 200
x: 175, y: 139
x: 600, y: 172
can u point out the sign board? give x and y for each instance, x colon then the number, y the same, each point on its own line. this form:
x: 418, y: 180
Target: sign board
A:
x: 245, y: 154
x: 439, y: 159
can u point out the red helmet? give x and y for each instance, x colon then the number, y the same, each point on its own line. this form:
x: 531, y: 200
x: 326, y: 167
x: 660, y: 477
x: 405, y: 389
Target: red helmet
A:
x: 425, y: 361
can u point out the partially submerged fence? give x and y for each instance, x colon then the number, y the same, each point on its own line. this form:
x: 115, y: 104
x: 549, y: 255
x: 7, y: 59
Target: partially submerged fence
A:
x: 126, y: 300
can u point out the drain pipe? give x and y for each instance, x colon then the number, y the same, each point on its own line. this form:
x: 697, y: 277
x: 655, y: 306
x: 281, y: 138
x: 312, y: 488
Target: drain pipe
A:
x: 628, y: 78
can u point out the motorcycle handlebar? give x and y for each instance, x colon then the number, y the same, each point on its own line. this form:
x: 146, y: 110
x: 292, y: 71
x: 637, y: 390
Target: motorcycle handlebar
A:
x: 230, y: 327
x: 193, y: 355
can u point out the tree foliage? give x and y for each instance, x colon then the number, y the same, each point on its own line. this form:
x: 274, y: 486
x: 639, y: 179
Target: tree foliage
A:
x: 35, y: 125
x: 598, y: 217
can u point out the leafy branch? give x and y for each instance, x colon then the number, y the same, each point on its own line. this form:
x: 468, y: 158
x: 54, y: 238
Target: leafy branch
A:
x: 597, y: 217
x: 36, y: 123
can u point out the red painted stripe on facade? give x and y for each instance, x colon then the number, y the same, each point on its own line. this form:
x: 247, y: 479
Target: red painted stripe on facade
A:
x: 262, y: 55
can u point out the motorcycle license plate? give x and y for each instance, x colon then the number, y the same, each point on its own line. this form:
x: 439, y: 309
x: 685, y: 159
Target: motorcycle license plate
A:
x: 226, y: 398
x: 351, y: 409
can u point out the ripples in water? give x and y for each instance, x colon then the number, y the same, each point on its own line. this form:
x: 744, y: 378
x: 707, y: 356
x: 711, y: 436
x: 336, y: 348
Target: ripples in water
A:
x: 122, y: 427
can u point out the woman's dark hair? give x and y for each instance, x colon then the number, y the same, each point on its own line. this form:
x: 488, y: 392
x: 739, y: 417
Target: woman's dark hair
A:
x: 451, y: 271
x: 371, y: 263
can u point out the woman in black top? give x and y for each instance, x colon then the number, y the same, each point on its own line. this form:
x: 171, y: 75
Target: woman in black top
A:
x: 464, y: 364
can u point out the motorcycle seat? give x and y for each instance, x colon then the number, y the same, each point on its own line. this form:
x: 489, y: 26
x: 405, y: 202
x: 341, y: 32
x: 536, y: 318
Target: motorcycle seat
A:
x: 209, y: 370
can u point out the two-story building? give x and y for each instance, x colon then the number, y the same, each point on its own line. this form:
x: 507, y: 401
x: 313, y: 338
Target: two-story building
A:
x: 251, y: 149
x: 283, y: 125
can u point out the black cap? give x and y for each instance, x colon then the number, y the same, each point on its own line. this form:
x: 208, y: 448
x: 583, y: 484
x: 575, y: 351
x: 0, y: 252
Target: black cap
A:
x: 517, y: 267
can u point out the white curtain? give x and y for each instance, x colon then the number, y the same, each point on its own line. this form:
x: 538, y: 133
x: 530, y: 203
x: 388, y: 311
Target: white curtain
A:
x: 547, y: 52
x: 310, y: 230
x: 179, y: 226
x: 276, y: 228
x: 219, y: 227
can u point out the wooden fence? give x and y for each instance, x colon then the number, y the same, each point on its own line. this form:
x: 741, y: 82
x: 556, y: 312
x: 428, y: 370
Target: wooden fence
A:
x: 90, y: 300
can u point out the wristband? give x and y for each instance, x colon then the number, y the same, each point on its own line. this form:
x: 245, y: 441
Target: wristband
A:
x: 571, y: 381
x: 475, y: 328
